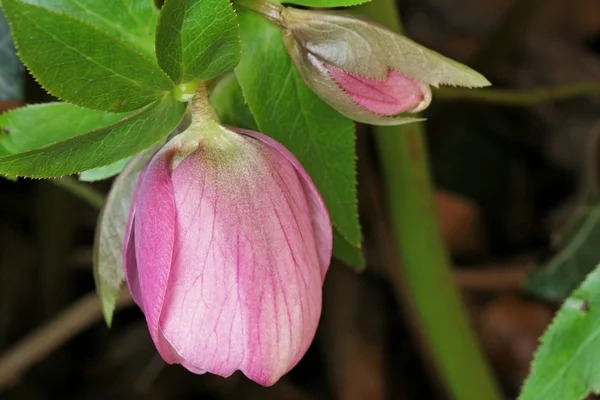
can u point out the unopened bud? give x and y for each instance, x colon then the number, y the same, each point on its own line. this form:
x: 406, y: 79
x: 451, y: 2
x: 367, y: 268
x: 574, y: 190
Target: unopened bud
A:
x: 364, y: 71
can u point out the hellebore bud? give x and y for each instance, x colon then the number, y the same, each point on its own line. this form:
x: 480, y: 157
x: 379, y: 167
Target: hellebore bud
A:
x: 364, y: 71
x: 227, y: 246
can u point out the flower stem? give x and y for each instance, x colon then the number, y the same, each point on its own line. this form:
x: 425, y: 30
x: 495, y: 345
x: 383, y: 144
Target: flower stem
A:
x: 520, y: 98
x: 426, y: 271
x: 202, y: 111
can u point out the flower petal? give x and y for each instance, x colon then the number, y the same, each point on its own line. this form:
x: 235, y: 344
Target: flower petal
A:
x: 111, y: 230
x: 130, y: 262
x: 318, y: 210
x: 154, y: 220
x: 393, y: 95
x: 245, y: 285
x: 129, y: 258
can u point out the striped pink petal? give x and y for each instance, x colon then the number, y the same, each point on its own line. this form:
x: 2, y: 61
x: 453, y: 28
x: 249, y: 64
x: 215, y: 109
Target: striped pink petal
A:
x: 393, y: 95
x: 149, y: 244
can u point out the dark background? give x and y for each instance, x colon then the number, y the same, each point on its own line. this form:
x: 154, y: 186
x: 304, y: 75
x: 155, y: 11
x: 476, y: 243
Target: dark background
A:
x: 507, y: 179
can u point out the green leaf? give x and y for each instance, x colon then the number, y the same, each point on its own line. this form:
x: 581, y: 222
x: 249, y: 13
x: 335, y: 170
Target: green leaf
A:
x: 79, y: 63
x: 287, y: 110
x: 110, y: 234
x: 566, y: 364
x: 578, y: 256
x: 346, y: 252
x: 104, y: 146
x: 35, y: 126
x: 132, y: 21
x: 105, y: 172
x: 327, y: 3
x: 228, y: 100
x: 197, y: 39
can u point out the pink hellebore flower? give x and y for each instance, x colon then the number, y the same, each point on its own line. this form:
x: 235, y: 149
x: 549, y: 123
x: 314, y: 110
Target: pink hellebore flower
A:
x: 227, y: 246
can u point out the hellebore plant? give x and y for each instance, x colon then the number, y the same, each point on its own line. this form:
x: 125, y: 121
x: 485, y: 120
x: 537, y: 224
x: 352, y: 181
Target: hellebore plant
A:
x: 222, y: 236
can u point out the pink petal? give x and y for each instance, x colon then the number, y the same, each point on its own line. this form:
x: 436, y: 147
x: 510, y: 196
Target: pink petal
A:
x: 153, y: 220
x: 129, y: 180
x: 318, y: 210
x: 395, y: 94
x: 244, y: 290
x: 129, y: 259
x: 130, y: 262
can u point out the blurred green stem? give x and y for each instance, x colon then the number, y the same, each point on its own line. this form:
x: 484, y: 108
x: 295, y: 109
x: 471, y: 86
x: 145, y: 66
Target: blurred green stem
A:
x: 426, y: 270
x: 519, y: 98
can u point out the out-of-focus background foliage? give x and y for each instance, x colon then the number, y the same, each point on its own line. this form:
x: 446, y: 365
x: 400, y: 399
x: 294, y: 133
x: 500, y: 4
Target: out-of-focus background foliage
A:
x: 516, y: 198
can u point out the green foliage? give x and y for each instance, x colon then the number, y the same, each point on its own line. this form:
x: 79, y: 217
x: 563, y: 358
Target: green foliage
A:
x: 287, y: 110
x: 228, y: 100
x: 578, y: 256
x: 346, y: 252
x: 82, y: 64
x: 197, y: 39
x: 104, y: 172
x: 566, y: 365
x: 36, y: 126
x: 132, y: 21
x: 104, y: 146
x: 109, y: 271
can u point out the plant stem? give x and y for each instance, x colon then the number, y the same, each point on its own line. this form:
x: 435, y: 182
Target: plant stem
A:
x: 427, y: 273
x: 81, y: 190
x: 520, y: 98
